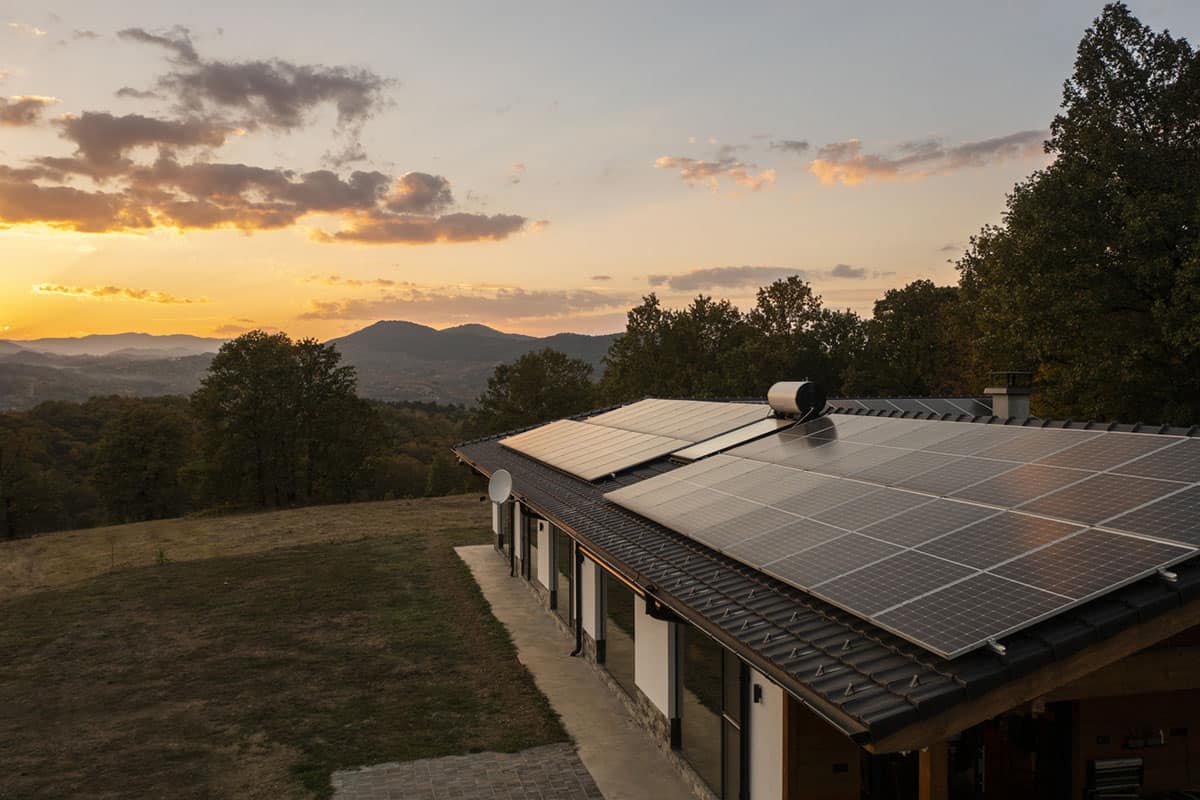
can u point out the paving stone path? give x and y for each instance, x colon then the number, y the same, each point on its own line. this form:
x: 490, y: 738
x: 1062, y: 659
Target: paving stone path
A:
x: 552, y: 772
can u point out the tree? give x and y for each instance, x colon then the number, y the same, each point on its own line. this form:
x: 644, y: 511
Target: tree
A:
x: 917, y: 343
x: 1093, y: 277
x: 280, y: 424
x: 139, y: 459
x: 539, y: 386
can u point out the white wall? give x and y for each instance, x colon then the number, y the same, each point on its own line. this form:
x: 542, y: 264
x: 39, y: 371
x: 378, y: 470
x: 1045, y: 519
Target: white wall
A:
x: 766, y: 738
x: 545, y: 564
x: 652, y: 656
x: 589, y: 584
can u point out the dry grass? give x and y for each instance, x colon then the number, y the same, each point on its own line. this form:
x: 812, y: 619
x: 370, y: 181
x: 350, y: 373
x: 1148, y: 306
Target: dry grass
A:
x: 257, y: 674
x: 60, y: 559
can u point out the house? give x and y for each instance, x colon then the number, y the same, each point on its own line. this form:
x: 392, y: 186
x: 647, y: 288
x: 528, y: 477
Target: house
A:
x: 906, y: 598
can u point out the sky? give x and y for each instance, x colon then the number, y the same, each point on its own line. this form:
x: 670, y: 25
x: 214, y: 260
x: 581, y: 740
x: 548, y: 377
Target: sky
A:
x: 211, y: 168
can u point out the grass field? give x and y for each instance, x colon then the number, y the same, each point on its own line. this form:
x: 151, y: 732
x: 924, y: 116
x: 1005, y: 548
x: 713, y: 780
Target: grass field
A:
x: 275, y: 649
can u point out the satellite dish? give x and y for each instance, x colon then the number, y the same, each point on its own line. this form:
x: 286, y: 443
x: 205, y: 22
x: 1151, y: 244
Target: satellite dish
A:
x: 500, y: 486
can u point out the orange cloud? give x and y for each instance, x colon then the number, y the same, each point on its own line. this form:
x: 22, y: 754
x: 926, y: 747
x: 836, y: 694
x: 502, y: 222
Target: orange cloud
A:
x: 845, y: 162
x: 124, y: 292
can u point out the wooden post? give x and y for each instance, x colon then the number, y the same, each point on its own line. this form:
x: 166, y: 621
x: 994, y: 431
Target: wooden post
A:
x: 933, y: 768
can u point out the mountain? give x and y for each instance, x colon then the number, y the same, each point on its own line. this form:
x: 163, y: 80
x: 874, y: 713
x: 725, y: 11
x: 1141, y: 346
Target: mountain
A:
x: 395, y: 361
x: 406, y: 361
x: 138, y: 345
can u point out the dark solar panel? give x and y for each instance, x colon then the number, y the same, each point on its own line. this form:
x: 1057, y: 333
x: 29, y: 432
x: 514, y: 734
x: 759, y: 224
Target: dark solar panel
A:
x: 998, y: 539
x: 1090, y: 562
x: 1180, y: 462
x: 958, y: 617
x: 1100, y: 497
x: 906, y: 466
x: 792, y: 537
x: 1044, y: 442
x: 978, y: 437
x: 858, y: 513
x: 1176, y: 517
x: 956, y: 475
x: 892, y: 582
x: 928, y: 522
x: 828, y: 560
x: 1108, y: 450
x: 1020, y: 485
x: 835, y: 492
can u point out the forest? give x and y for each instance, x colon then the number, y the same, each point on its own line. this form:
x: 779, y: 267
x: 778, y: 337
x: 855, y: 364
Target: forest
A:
x: 1091, y: 281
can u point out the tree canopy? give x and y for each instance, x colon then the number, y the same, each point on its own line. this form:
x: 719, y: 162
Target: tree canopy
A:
x: 1093, y: 277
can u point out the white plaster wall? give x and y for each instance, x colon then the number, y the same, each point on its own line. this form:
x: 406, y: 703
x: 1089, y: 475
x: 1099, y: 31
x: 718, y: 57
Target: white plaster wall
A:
x: 766, y: 738
x: 652, y: 656
x: 587, y: 584
x: 545, y: 564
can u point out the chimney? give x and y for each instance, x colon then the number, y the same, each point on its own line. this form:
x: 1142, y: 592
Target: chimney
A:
x: 1010, y: 394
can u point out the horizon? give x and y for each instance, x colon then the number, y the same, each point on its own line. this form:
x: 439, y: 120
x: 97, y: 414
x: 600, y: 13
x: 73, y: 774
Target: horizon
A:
x: 560, y: 181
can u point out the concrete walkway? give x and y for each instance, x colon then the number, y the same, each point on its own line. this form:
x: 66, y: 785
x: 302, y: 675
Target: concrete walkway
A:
x: 622, y: 758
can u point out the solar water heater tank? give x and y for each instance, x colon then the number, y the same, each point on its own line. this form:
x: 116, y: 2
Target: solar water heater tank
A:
x: 796, y: 398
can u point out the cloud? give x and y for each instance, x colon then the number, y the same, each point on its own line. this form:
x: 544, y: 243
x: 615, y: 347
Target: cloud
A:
x: 102, y: 138
x: 724, y: 165
x: 375, y: 228
x: 789, y: 145
x: 601, y: 278
x: 420, y: 193
x: 747, y: 276
x: 123, y: 292
x: 847, y: 271
x: 108, y: 186
x: 26, y: 29
x: 847, y: 164
x: 138, y: 94
x: 23, y: 109
x: 444, y: 304
x: 178, y: 40
x: 338, y: 280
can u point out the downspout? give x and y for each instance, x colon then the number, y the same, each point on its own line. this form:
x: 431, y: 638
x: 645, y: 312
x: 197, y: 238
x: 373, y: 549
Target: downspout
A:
x: 578, y: 601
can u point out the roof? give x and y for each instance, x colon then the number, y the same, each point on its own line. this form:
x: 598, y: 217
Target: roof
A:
x: 864, y: 680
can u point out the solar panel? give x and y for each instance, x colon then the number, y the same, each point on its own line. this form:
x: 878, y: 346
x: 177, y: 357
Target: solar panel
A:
x: 633, y: 434
x: 960, y: 615
x: 899, y: 526
x: 816, y: 565
x: 997, y: 539
x: 732, y: 439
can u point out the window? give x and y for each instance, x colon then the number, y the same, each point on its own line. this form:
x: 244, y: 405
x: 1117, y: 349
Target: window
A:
x: 618, y: 631
x: 564, y: 557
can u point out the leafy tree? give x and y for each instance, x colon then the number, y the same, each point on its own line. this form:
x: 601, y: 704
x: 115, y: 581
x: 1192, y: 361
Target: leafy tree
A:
x: 917, y: 343
x: 539, y: 386
x: 279, y: 423
x: 1093, y: 277
x: 139, y: 459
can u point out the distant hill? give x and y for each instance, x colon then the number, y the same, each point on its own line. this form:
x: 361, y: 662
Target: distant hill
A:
x: 406, y: 361
x: 135, y: 345
x: 395, y: 361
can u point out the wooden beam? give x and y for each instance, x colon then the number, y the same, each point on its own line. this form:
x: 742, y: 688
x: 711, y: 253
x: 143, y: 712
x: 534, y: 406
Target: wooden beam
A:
x: 1041, y: 682
x: 933, y: 772
x: 1165, y: 668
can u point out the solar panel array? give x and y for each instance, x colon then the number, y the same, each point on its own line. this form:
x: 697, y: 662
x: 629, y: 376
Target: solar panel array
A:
x: 631, y: 435
x: 948, y: 534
